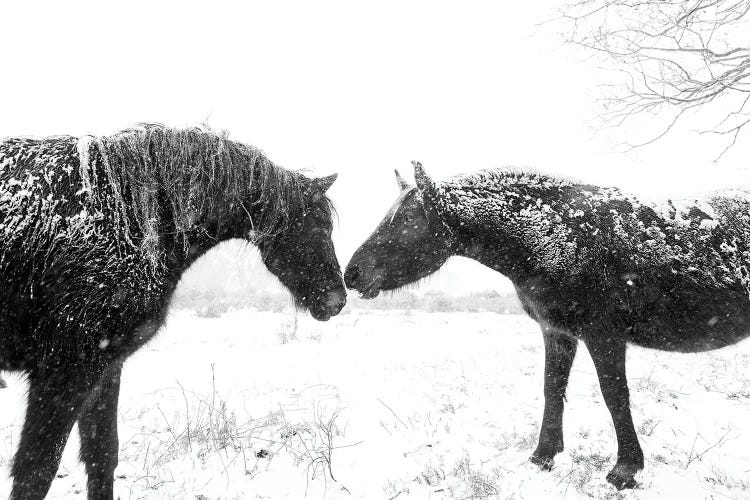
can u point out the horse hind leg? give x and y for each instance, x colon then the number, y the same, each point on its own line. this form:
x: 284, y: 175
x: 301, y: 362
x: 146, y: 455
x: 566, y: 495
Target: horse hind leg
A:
x: 559, y: 353
x: 609, y: 360
x: 97, y: 426
x: 53, y: 404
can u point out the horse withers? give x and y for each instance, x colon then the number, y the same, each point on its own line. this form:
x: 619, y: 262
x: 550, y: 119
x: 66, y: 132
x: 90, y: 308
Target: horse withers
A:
x: 589, y: 264
x: 95, y: 233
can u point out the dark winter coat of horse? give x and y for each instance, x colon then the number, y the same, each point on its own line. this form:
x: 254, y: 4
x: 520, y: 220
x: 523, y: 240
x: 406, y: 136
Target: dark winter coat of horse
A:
x: 589, y: 264
x: 94, y: 235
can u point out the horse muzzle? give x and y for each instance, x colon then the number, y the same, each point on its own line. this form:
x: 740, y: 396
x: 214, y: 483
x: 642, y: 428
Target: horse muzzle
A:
x: 356, y: 280
x: 330, y: 305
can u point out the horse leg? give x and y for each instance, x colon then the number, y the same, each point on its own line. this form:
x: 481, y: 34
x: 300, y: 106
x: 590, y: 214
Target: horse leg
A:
x: 559, y: 352
x: 53, y: 404
x: 97, y: 426
x: 609, y: 360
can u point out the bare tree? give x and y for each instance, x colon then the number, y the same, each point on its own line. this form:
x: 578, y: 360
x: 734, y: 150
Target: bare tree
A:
x: 678, y: 57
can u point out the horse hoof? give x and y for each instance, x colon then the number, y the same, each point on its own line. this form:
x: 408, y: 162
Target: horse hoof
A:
x: 622, y: 476
x: 544, y: 463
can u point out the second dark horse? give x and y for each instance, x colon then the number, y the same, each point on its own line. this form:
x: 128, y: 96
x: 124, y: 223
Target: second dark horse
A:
x: 94, y: 236
x: 589, y: 264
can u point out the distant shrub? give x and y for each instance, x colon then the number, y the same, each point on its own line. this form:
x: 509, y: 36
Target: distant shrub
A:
x: 212, y: 303
x: 211, y: 310
x: 438, y: 301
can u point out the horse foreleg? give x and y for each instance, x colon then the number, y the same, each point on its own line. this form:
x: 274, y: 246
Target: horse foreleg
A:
x: 559, y: 352
x: 97, y: 426
x: 609, y: 360
x: 53, y: 404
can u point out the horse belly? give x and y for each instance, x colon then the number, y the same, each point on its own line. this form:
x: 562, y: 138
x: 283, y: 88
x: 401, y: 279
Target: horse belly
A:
x: 683, y: 319
x: 692, y: 323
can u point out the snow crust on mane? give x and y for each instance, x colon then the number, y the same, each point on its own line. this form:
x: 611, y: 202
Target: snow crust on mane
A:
x: 495, y: 179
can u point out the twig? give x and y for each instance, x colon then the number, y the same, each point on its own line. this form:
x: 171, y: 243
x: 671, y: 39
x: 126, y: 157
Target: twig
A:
x: 692, y: 458
x: 393, y: 412
x: 187, y: 415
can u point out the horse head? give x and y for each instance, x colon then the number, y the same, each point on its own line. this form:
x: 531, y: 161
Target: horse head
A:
x: 303, y: 257
x: 410, y: 243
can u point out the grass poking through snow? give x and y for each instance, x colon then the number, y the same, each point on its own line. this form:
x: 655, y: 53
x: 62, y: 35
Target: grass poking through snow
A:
x: 381, y: 404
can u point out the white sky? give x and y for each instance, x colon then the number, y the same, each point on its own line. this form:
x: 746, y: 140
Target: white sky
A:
x: 343, y: 87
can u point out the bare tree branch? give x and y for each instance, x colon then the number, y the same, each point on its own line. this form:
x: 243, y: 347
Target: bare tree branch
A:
x: 678, y: 55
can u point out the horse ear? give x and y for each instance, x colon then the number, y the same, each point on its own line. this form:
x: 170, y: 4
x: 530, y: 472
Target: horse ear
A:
x: 322, y: 184
x: 402, y: 184
x: 425, y: 184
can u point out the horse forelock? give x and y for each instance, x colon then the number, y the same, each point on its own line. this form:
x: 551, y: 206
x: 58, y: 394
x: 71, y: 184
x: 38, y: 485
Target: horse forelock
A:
x: 402, y: 197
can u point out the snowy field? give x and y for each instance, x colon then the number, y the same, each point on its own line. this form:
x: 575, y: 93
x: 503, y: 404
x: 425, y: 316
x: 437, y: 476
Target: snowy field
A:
x: 399, y: 405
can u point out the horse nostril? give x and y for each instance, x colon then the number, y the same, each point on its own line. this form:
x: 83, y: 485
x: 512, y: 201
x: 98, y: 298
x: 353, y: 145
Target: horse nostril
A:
x: 351, y: 276
x: 335, y: 301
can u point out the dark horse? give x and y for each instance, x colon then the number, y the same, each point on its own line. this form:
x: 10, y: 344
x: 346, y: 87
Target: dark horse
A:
x: 589, y: 264
x: 94, y: 235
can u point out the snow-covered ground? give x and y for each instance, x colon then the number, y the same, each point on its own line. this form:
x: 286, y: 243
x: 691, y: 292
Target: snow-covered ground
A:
x: 399, y: 405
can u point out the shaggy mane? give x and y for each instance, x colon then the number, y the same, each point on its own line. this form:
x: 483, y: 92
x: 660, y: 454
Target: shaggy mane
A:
x: 194, y: 172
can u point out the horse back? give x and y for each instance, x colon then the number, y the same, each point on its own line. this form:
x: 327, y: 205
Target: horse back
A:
x: 660, y: 276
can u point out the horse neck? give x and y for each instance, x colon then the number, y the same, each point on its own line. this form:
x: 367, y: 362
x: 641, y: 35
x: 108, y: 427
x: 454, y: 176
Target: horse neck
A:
x: 503, y: 229
x: 229, y: 215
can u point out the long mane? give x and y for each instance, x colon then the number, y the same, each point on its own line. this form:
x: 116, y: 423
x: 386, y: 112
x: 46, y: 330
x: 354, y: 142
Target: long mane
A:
x: 194, y: 172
